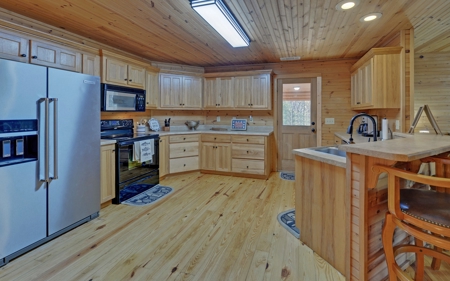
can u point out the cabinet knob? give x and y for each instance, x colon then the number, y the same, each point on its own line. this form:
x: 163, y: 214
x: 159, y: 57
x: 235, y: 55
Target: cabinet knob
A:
x: 184, y: 138
x: 247, y: 139
x: 184, y: 165
x: 184, y: 150
x: 130, y: 80
x: 219, y: 104
x: 214, y: 138
x: 249, y: 104
x: 247, y: 151
x: 247, y: 167
x: 358, y: 102
x: 160, y: 140
x: 34, y: 57
x: 23, y: 55
x: 125, y: 79
x: 113, y: 150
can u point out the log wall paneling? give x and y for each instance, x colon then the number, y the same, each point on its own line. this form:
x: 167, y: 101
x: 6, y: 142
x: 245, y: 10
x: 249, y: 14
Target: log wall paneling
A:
x: 432, y: 86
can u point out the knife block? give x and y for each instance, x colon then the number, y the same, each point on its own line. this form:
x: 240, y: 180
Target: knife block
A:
x: 166, y: 128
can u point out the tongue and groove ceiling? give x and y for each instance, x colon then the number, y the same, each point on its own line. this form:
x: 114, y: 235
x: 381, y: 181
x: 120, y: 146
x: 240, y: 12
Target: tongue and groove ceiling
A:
x: 170, y: 31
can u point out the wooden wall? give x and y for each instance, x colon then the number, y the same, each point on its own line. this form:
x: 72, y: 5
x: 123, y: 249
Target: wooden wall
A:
x: 335, y: 88
x: 432, y: 87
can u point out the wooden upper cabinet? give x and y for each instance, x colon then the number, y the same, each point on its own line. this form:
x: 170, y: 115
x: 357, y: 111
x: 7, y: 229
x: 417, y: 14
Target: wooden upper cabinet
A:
x: 91, y: 64
x: 218, y: 93
x: 56, y: 56
x: 152, y: 89
x: 180, y: 91
x: 238, y: 90
x: 13, y: 47
x: 376, y: 79
x: 117, y: 70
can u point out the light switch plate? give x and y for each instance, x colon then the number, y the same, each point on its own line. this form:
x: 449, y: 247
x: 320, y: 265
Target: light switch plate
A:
x: 218, y: 119
x: 329, y: 121
x: 397, y: 124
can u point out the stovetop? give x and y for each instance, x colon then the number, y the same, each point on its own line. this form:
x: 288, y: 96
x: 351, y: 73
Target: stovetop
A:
x: 122, y: 131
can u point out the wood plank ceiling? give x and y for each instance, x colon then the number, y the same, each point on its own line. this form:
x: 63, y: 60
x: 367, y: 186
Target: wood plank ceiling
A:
x: 170, y: 31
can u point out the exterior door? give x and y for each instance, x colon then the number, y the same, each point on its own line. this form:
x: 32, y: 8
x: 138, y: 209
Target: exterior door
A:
x: 297, y: 107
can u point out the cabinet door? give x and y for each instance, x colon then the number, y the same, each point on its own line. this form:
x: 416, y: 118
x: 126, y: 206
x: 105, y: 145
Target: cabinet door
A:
x: 163, y: 156
x: 170, y: 90
x: 242, y: 91
x: 192, y: 92
x: 366, y: 77
x: 151, y: 88
x: 55, y: 56
x: 115, y: 71
x: 225, y: 93
x: 223, y: 157
x: 208, y: 156
x: 260, y: 98
x: 91, y: 64
x: 136, y: 76
x: 210, y: 92
x: 13, y: 47
x: 107, y: 173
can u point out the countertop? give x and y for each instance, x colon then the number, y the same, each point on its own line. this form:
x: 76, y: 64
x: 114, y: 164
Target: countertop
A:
x: 106, y: 142
x: 403, y: 147
x: 178, y: 130
x: 321, y: 157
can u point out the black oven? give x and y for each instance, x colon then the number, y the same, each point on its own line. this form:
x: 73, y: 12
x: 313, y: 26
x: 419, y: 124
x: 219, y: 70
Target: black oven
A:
x: 129, y: 173
x: 133, y: 176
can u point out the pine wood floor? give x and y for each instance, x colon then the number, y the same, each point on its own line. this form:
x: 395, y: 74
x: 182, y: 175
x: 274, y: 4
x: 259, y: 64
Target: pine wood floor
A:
x: 210, y: 228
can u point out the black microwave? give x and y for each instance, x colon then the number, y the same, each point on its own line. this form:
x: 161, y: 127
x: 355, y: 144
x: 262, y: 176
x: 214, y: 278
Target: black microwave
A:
x: 119, y: 98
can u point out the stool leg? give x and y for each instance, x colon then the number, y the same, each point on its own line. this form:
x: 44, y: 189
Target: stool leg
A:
x: 420, y: 263
x: 436, y: 263
x: 388, y: 240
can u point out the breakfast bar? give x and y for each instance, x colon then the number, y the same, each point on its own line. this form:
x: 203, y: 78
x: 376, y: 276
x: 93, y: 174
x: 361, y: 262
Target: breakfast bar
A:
x: 364, y: 197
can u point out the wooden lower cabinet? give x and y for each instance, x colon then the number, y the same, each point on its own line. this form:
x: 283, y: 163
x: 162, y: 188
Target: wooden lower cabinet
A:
x: 250, y: 155
x: 163, y: 156
x: 107, y: 173
x: 183, y: 153
x: 216, y: 157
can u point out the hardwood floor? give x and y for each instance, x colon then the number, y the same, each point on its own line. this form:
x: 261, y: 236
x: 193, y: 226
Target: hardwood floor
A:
x: 211, y: 228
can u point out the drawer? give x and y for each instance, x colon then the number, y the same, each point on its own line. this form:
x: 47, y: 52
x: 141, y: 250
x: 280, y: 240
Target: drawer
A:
x: 248, y: 139
x: 247, y: 151
x: 184, y: 138
x: 177, y: 150
x: 247, y: 166
x: 183, y: 164
x: 216, y: 138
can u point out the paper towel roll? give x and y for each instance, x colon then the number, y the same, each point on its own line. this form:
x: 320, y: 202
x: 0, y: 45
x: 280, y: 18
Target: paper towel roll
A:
x: 384, y: 129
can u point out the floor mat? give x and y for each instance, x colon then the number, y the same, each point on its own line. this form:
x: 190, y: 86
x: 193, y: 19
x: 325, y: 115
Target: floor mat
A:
x: 149, y: 196
x: 287, y: 220
x: 287, y: 176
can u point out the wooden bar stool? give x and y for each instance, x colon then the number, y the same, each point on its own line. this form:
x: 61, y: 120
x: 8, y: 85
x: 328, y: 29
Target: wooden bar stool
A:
x: 423, y: 214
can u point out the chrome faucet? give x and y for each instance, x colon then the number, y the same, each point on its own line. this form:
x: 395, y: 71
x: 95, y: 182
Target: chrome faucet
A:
x: 350, y: 128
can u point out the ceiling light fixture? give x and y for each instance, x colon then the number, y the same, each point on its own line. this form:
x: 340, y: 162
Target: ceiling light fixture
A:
x: 296, y: 88
x: 222, y: 20
x: 346, y: 5
x: 289, y: 58
x: 371, y: 17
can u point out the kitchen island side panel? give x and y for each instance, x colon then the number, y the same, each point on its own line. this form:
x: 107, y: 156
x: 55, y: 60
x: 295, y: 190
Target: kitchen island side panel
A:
x: 368, y: 209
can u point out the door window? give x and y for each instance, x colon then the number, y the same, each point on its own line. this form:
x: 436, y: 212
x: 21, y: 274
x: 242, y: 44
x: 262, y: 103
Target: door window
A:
x: 297, y: 104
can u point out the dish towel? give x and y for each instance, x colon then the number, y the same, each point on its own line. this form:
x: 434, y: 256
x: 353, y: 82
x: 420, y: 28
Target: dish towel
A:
x: 143, y: 151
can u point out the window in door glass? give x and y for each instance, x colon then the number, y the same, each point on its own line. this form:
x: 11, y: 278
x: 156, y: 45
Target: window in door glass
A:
x: 297, y: 104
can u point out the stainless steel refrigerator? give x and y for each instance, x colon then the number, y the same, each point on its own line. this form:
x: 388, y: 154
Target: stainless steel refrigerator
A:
x: 49, y: 154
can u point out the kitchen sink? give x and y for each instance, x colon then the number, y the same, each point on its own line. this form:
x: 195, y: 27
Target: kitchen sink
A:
x: 329, y: 150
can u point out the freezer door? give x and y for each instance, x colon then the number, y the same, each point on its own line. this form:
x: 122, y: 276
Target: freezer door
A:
x: 75, y: 159
x: 22, y: 196
x: 21, y: 86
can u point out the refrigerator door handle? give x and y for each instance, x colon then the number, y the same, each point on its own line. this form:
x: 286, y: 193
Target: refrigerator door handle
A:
x: 55, y: 138
x: 46, y: 141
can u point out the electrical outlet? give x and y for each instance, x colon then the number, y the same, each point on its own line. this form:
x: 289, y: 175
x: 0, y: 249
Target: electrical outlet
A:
x: 329, y: 121
x: 251, y: 118
x: 397, y: 124
x: 218, y: 119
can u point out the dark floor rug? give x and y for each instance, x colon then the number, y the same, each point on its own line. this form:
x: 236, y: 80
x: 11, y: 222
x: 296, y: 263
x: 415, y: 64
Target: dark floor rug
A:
x: 287, y: 176
x: 287, y: 220
x: 133, y: 190
x: 149, y: 196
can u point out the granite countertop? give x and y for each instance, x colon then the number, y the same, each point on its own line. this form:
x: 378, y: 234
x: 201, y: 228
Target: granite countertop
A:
x: 203, y: 129
x: 403, y: 147
x: 321, y: 156
x: 106, y: 142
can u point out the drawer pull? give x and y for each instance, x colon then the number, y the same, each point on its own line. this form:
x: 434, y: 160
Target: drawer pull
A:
x: 34, y: 57
x: 247, y: 139
x: 184, y: 165
x: 184, y: 150
x: 247, y: 151
x: 247, y: 167
x: 184, y: 138
x: 23, y: 55
x: 214, y: 138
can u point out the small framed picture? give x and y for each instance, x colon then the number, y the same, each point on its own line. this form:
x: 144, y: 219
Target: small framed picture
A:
x: 239, y: 124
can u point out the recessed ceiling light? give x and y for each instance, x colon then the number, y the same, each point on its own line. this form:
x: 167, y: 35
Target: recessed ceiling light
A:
x: 371, y: 17
x: 346, y: 5
x: 296, y: 88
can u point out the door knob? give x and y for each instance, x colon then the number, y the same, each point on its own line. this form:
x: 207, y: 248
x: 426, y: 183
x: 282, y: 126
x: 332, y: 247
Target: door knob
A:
x: 313, y: 130
x: 313, y: 123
